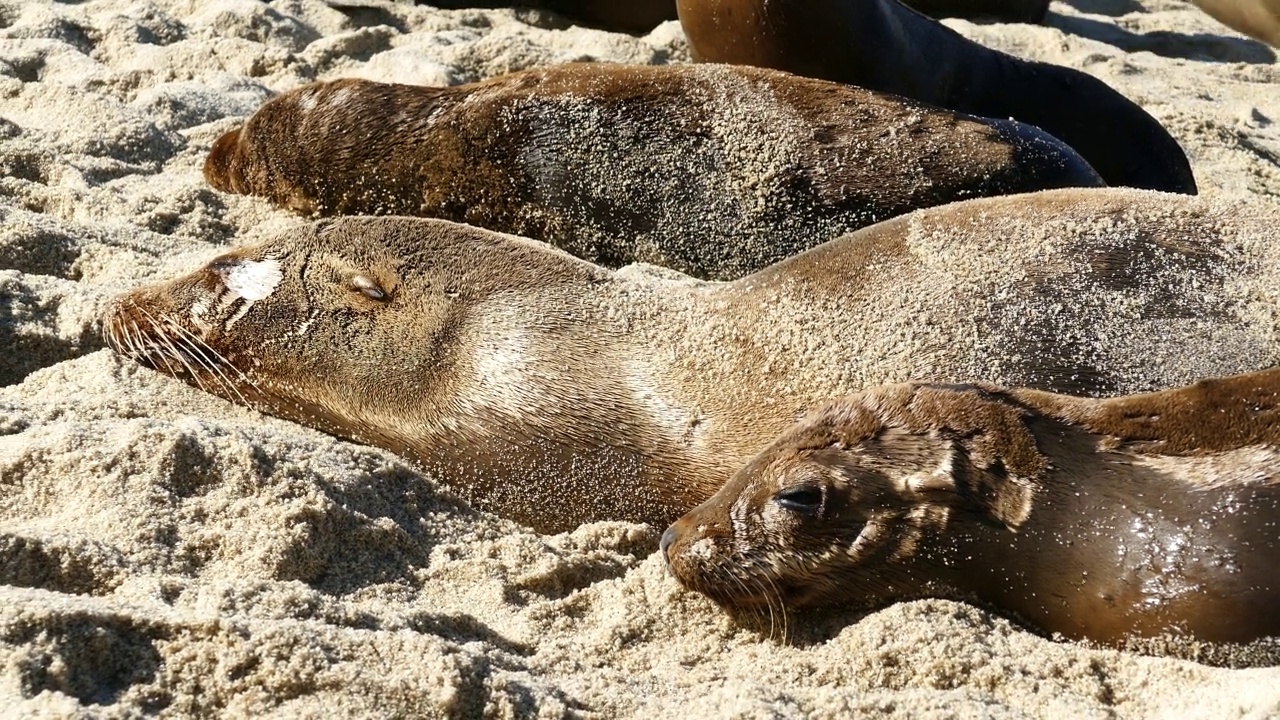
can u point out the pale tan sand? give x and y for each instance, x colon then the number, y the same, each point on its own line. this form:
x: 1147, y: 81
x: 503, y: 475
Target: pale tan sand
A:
x: 161, y: 550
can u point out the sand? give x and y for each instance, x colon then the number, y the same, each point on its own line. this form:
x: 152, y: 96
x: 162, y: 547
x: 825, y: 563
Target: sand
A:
x: 162, y: 551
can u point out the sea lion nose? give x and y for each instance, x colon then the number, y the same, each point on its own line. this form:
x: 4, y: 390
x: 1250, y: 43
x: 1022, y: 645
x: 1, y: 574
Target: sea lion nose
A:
x: 664, y: 544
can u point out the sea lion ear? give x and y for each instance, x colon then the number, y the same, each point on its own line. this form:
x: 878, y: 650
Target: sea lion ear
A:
x: 937, y: 480
x: 990, y: 491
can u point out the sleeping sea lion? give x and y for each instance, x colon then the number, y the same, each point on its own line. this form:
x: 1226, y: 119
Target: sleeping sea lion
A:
x: 1103, y: 520
x: 712, y: 170
x: 556, y: 392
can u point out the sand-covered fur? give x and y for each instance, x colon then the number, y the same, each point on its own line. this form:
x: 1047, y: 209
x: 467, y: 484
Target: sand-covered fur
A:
x: 713, y: 170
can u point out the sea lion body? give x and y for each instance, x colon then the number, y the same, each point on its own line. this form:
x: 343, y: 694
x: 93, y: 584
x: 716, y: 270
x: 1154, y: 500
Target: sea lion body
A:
x: 629, y: 16
x: 885, y: 46
x: 1010, y: 11
x: 1257, y: 18
x: 641, y: 16
x: 556, y: 392
x: 714, y: 171
x: 1103, y: 520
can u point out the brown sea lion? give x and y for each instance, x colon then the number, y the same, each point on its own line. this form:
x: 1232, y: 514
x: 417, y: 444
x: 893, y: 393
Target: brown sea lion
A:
x: 641, y: 16
x: 555, y: 392
x: 1258, y: 18
x: 629, y: 16
x: 1012, y: 11
x: 1102, y: 520
x: 886, y: 46
x: 716, y: 171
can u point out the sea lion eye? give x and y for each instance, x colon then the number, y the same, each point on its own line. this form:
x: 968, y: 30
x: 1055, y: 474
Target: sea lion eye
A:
x: 368, y: 287
x: 805, y: 499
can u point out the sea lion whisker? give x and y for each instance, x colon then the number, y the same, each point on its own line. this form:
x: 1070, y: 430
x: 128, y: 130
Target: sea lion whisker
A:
x: 224, y: 362
x: 769, y: 590
x: 119, y: 338
x: 724, y: 567
x: 186, y: 359
x: 196, y: 353
x: 230, y: 385
x: 129, y: 336
x: 112, y: 337
x: 159, y: 346
x: 151, y: 349
x: 162, y: 334
x: 776, y: 593
x: 761, y: 591
x: 768, y: 603
x: 139, y: 345
x: 201, y: 350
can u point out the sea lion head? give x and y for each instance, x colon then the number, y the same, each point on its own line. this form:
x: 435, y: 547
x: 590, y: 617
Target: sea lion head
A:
x: 223, y: 168
x: 273, y: 155
x: 367, y: 328
x: 243, y: 162
x: 848, y: 506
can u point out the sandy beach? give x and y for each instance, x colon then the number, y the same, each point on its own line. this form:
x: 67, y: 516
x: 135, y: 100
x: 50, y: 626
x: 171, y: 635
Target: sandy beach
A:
x: 163, y: 551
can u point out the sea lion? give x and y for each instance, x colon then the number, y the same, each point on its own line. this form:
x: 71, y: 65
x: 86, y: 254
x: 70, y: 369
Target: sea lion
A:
x: 628, y: 16
x: 1257, y: 18
x: 1102, y: 520
x: 712, y: 170
x: 556, y: 392
x: 886, y: 46
x: 641, y: 16
x: 1010, y: 11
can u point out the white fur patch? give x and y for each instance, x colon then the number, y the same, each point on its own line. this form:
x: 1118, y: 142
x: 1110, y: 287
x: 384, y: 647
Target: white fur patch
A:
x: 252, y: 280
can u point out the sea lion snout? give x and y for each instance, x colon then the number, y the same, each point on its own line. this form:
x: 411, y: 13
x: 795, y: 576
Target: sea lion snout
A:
x: 693, y: 541
x: 668, y: 537
x: 169, y: 326
x: 219, y: 170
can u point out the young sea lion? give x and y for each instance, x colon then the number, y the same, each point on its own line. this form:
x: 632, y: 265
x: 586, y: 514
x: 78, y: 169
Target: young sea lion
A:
x: 556, y: 392
x: 886, y: 46
x: 714, y: 171
x: 1104, y: 520
x: 1258, y: 18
